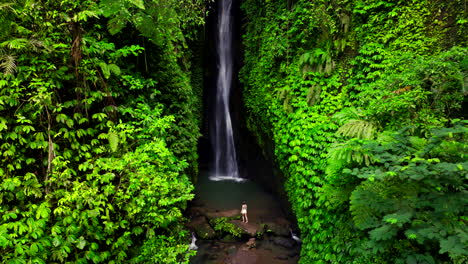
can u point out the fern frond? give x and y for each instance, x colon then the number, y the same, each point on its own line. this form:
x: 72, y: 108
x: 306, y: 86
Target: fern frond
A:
x: 116, y: 24
x: 347, y: 114
x: 357, y: 129
x: 17, y: 43
x: 5, y: 6
x: 113, y: 141
x: 313, y: 95
x: 35, y: 44
x: 105, y: 69
x: 349, y: 152
x: 85, y: 14
x: 8, y: 64
x: 114, y: 69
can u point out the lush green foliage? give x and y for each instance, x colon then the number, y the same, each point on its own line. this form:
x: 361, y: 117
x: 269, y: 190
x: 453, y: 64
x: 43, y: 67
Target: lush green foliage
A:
x: 417, y: 196
x: 222, y: 226
x: 328, y: 82
x: 98, y: 130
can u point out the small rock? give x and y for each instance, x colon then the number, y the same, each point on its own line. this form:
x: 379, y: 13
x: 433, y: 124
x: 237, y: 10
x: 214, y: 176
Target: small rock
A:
x: 251, y: 243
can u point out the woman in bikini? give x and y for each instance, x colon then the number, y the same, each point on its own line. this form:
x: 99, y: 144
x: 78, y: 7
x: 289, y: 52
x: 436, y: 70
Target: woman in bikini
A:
x: 244, y: 212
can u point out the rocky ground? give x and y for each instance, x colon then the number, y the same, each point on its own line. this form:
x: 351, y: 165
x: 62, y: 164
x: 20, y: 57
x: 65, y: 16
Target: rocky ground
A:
x: 266, y: 239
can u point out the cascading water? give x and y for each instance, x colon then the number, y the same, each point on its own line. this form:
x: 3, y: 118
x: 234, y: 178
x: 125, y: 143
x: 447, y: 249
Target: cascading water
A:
x: 225, y: 163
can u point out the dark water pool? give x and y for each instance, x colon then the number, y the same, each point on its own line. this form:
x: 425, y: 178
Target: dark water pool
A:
x: 262, y: 207
x: 226, y: 195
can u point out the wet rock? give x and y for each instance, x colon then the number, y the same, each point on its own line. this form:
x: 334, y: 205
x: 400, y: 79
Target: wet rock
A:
x: 197, y: 211
x: 251, y: 243
x: 202, y: 229
x: 293, y: 254
x: 231, y: 250
x: 229, y: 239
x: 284, y: 242
x: 277, y: 229
x: 282, y: 257
x: 258, y: 243
x: 249, y: 229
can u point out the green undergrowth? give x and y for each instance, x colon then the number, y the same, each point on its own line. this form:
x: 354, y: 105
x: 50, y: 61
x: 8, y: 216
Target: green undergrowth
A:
x: 223, y: 226
x: 363, y: 101
x: 99, y: 119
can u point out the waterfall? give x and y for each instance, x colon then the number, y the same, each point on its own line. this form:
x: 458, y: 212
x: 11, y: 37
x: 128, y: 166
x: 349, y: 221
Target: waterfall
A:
x: 193, y: 245
x: 225, y: 163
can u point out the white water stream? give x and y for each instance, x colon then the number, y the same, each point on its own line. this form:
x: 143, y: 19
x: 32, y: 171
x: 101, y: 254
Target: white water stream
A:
x: 225, y: 164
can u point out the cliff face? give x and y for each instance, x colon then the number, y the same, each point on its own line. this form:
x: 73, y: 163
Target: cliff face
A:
x: 325, y: 83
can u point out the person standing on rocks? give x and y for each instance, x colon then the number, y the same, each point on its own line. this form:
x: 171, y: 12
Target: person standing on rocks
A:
x: 244, y: 212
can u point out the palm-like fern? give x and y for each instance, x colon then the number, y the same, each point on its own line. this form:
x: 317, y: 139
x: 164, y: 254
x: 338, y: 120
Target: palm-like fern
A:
x: 5, y: 6
x: 7, y: 63
x: 355, y: 128
x: 7, y: 48
x: 354, y: 124
x: 345, y: 153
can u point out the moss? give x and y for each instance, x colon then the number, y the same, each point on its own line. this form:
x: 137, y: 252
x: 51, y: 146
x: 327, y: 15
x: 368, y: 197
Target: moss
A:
x: 222, y: 226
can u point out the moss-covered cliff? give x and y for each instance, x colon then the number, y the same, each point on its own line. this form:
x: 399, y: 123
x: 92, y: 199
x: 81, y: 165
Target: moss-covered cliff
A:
x: 364, y: 102
x: 100, y: 109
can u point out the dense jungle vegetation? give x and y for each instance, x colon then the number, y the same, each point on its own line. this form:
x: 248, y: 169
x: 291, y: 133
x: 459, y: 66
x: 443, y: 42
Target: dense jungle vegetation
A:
x: 100, y: 104
x: 363, y: 101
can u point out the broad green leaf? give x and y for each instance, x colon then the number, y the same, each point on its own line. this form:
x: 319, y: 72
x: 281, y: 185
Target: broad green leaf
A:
x: 81, y: 243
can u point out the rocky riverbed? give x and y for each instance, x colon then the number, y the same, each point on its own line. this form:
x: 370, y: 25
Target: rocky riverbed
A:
x: 222, y: 238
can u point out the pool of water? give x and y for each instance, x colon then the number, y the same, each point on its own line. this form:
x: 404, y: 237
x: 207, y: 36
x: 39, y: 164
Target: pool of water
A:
x: 262, y: 207
x: 227, y: 195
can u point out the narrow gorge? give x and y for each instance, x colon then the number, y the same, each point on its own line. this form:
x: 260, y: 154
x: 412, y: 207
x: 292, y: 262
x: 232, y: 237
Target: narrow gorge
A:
x: 132, y: 131
x: 233, y: 171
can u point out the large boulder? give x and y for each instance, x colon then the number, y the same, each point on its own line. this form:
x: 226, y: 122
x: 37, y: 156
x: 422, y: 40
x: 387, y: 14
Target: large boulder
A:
x: 284, y: 242
x: 202, y: 229
x: 197, y: 211
x: 249, y: 229
x: 277, y: 229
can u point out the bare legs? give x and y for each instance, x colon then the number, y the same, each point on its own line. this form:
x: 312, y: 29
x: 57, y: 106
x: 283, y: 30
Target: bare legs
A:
x: 244, y: 218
